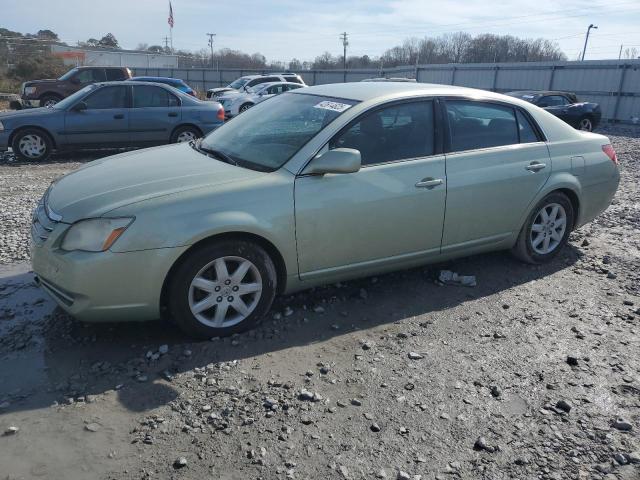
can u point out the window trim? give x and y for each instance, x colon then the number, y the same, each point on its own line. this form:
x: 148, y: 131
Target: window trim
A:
x: 447, y: 131
x: 437, y: 131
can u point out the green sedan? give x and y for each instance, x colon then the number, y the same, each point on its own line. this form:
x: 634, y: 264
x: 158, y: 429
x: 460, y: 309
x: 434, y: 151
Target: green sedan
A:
x: 314, y: 186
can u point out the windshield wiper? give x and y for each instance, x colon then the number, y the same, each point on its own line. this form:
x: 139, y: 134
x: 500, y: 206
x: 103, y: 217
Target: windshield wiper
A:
x: 214, y: 153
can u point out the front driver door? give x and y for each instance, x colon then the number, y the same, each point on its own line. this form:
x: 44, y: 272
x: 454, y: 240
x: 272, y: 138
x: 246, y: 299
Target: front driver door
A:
x: 390, y: 212
x: 105, y: 122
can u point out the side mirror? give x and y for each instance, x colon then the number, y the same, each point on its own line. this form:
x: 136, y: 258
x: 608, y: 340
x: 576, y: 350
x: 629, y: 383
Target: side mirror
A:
x: 79, y: 107
x: 339, y: 160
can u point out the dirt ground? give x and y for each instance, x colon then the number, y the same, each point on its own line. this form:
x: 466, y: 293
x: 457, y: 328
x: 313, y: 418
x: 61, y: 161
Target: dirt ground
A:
x: 533, y: 374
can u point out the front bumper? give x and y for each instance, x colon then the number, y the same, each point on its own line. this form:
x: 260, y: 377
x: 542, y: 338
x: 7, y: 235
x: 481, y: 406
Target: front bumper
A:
x: 4, y: 140
x: 104, y: 286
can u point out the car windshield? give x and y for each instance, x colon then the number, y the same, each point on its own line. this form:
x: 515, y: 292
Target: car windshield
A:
x: 71, y: 99
x: 69, y: 74
x: 266, y: 136
x: 239, y: 83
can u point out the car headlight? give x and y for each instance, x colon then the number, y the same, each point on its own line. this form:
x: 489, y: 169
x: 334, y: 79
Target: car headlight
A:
x: 95, y: 235
x: 29, y: 90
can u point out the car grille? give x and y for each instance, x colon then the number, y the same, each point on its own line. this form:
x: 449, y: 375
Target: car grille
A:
x: 41, y: 223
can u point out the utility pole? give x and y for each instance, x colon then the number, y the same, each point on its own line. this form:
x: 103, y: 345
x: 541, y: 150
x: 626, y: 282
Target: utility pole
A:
x: 166, y: 43
x: 211, y: 35
x: 345, y: 42
x: 584, y: 50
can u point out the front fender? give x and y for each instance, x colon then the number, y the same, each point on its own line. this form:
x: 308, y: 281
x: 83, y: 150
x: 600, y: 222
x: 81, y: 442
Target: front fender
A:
x: 262, y: 208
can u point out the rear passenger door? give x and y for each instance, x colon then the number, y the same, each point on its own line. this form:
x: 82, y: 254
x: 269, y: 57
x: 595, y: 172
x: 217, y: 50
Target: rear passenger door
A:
x: 496, y: 164
x: 155, y: 114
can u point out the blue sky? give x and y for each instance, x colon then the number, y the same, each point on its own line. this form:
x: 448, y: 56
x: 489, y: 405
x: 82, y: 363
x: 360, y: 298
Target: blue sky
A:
x: 286, y: 29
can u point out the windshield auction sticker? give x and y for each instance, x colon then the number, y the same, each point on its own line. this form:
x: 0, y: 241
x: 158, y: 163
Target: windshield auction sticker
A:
x: 335, y: 106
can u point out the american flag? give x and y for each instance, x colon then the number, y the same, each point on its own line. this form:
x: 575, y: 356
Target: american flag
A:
x: 170, y: 19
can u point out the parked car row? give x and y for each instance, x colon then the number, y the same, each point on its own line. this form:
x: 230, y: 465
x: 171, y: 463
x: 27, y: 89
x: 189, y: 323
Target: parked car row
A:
x: 236, y: 102
x: 402, y: 174
x: 251, y: 81
x: 109, y: 114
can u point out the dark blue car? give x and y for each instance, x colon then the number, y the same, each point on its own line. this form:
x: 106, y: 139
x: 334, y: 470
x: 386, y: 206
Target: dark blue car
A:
x: 172, y: 82
x: 111, y: 114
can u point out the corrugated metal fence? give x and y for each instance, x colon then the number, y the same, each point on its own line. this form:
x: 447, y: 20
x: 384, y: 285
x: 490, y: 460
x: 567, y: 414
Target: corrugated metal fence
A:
x: 614, y: 84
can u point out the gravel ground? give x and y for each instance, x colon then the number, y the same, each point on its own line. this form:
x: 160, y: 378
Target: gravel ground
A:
x: 534, y: 373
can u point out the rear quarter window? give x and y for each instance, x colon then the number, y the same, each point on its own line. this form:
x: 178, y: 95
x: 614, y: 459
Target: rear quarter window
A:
x: 115, y: 74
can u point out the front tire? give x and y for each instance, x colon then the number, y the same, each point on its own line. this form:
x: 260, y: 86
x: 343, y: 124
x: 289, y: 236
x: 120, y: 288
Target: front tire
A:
x: 244, y: 107
x: 222, y: 288
x: 546, y: 229
x: 32, y: 145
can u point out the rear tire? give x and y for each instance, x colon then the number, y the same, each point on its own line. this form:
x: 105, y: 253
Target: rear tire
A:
x: 585, y: 124
x: 222, y: 288
x: 185, y: 134
x: 32, y: 145
x: 49, y: 100
x: 546, y: 230
x: 244, y: 107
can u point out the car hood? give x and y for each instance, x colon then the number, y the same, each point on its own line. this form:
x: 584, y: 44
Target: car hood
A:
x: 39, y: 82
x: 132, y: 177
x: 27, y: 112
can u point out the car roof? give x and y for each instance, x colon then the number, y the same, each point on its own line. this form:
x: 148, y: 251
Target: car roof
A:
x: 363, y: 91
x: 269, y: 84
x: 84, y: 67
x: 273, y: 74
x: 164, y: 79
x: 541, y: 92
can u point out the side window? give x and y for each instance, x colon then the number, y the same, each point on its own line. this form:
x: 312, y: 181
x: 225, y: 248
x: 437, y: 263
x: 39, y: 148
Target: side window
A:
x: 474, y: 125
x: 275, y: 89
x: 552, y: 101
x: 114, y: 74
x: 86, y: 76
x: 98, y: 74
x: 293, y: 79
x: 396, y: 132
x: 293, y: 87
x: 146, y: 96
x: 527, y: 132
x: 107, y: 97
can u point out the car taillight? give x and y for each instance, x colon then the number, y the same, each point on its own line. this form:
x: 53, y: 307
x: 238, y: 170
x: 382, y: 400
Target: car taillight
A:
x: 221, y: 114
x: 610, y: 152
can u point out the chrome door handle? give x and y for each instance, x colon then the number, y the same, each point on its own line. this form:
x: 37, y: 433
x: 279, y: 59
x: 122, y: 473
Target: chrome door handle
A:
x: 535, y: 166
x: 429, y: 182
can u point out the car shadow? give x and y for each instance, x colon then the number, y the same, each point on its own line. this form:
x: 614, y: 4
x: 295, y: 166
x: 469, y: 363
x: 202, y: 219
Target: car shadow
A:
x: 48, y: 357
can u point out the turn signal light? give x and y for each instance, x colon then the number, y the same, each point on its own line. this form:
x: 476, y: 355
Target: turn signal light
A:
x: 611, y: 153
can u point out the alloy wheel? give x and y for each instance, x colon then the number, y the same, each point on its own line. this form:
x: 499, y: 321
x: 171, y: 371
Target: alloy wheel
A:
x: 548, y: 228
x: 586, y: 125
x: 225, y: 292
x: 186, y: 136
x: 32, y: 146
x: 50, y: 102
